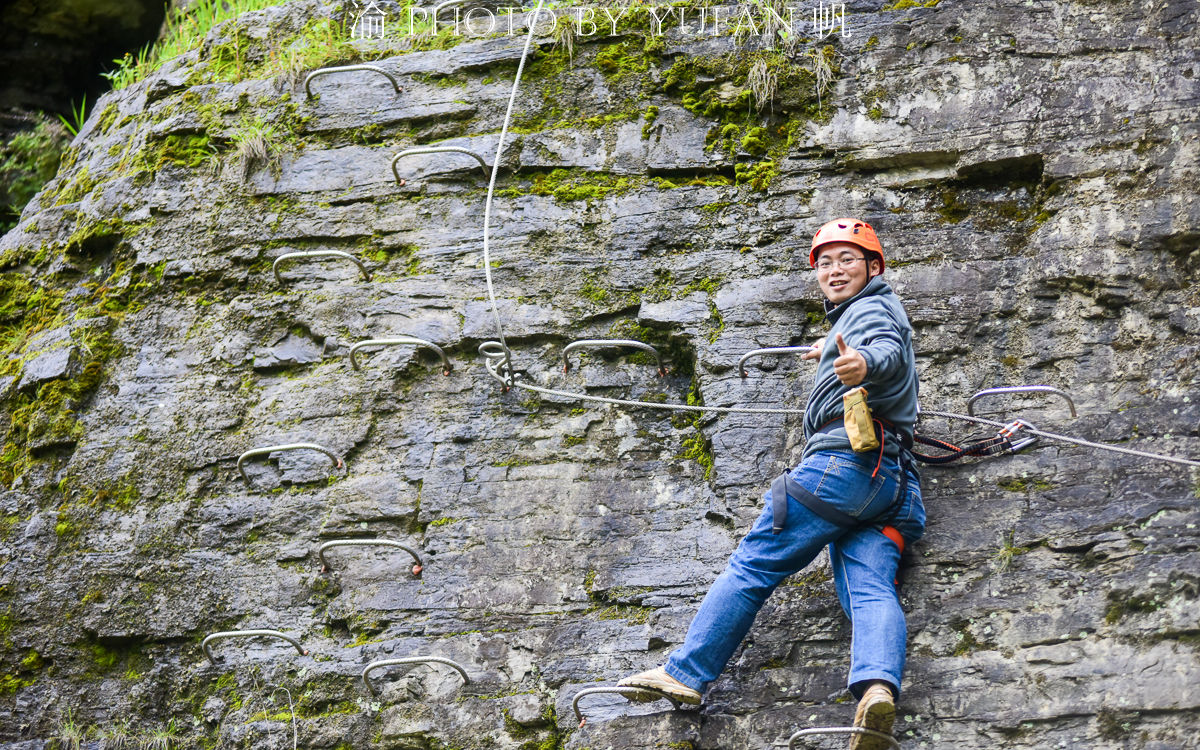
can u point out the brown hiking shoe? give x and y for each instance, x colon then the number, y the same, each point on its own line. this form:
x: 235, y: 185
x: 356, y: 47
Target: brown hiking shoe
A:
x: 658, y: 679
x: 876, y: 711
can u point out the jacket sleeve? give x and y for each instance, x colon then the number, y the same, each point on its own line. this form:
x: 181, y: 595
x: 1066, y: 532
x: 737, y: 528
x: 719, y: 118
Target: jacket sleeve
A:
x: 874, y: 333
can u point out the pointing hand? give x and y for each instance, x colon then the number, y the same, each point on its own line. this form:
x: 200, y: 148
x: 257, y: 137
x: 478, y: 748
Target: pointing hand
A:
x: 850, y: 366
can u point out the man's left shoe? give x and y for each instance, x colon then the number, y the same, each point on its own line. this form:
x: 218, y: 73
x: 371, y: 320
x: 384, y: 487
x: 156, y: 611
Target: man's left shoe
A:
x: 658, y: 679
x: 877, y: 712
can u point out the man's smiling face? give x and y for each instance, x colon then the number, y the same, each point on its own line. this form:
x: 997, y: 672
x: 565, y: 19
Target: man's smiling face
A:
x: 843, y: 271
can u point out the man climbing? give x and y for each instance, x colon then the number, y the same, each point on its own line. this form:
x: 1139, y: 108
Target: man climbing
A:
x: 864, y: 505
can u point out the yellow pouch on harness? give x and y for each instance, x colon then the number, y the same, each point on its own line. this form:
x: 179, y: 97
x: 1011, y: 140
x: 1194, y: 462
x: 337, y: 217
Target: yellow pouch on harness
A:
x: 857, y: 416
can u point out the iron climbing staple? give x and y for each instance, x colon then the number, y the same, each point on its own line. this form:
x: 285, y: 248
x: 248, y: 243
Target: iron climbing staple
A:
x: 417, y: 567
x: 347, y: 69
x: 436, y: 150
x: 597, y: 343
x: 318, y: 254
x: 337, y: 460
x: 1020, y: 389
x: 411, y: 660
x: 770, y: 350
x: 625, y: 691
x: 206, y: 643
x: 402, y: 340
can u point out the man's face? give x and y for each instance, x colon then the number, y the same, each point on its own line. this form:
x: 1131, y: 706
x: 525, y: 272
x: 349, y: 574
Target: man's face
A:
x: 843, y: 271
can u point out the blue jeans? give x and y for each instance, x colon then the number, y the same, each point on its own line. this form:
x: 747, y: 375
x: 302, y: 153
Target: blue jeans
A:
x: 864, y: 568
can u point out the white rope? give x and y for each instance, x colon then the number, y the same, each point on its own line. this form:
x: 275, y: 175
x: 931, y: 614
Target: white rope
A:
x: 487, y: 206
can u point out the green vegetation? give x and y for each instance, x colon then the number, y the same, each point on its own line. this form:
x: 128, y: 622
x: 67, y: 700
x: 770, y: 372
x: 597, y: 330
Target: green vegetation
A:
x: 1021, y: 484
x: 696, y: 446
x: 28, y: 161
x: 185, y: 31
x: 574, y: 185
x: 78, y: 116
x: 45, y: 417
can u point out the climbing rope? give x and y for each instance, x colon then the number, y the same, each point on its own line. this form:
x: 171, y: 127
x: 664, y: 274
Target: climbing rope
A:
x: 487, y: 205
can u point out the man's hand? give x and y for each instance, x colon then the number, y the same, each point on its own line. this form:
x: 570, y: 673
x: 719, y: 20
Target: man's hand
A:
x: 850, y: 366
x: 815, y: 352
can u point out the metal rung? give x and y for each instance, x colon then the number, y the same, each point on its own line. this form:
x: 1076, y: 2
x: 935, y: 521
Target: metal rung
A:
x: 498, y: 361
x: 625, y: 691
x: 318, y: 254
x: 771, y: 350
x: 446, y: 368
x: 436, y: 150
x: 347, y: 69
x: 1020, y: 389
x: 594, y: 343
x: 842, y: 730
x: 411, y: 660
x: 288, y: 447
x: 416, y: 568
x: 246, y: 634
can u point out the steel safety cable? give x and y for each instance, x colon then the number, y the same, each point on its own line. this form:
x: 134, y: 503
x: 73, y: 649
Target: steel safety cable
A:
x: 489, y: 359
x: 1065, y: 438
x: 487, y: 205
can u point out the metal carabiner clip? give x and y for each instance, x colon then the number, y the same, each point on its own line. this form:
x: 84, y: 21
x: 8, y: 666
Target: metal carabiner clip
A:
x: 1010, y: 431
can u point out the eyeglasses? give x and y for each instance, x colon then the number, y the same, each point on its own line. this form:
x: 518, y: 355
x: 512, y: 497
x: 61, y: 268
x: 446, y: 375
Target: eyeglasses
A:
x: 846, y: 261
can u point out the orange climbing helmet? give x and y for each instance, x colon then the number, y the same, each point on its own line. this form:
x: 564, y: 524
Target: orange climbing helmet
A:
x: 854, y: 231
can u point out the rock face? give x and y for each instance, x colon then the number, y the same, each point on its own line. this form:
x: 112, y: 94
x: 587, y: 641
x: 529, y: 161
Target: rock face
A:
x: 1030, y: 167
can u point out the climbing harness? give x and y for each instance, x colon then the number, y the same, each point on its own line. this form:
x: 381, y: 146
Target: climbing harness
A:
x: 625, y: 691
x: 770, y: 350
x: 435, y: 150
x: 446, y: 367
x: 1020, y: 389
x: 417, y: 567
x: 347, y: 69
x: 318, y: 254
x: 206, y: 643
x: 337, y: 460
x: 599, y: 343
x: 841, y: 730
x: 410, y: 660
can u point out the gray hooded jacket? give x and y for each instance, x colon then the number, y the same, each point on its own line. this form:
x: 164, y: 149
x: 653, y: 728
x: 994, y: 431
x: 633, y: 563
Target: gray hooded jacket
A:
x: 874, y: 323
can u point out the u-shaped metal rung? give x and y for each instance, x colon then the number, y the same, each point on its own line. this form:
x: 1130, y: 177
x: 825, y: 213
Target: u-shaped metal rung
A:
x: 770, y: 350
x: 436, y: 150
x: 288, y: 447
x: 446, y: 368
x: 246, y: 634
x: 595, y: 343
x: 498, y: 361
x: 347, y: 69
x: 842, y: 730
x: 416, y: 568
x: 1020, y: 389
x: 411, y: 660
x: 318, y: 254
x: 618, y: 690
